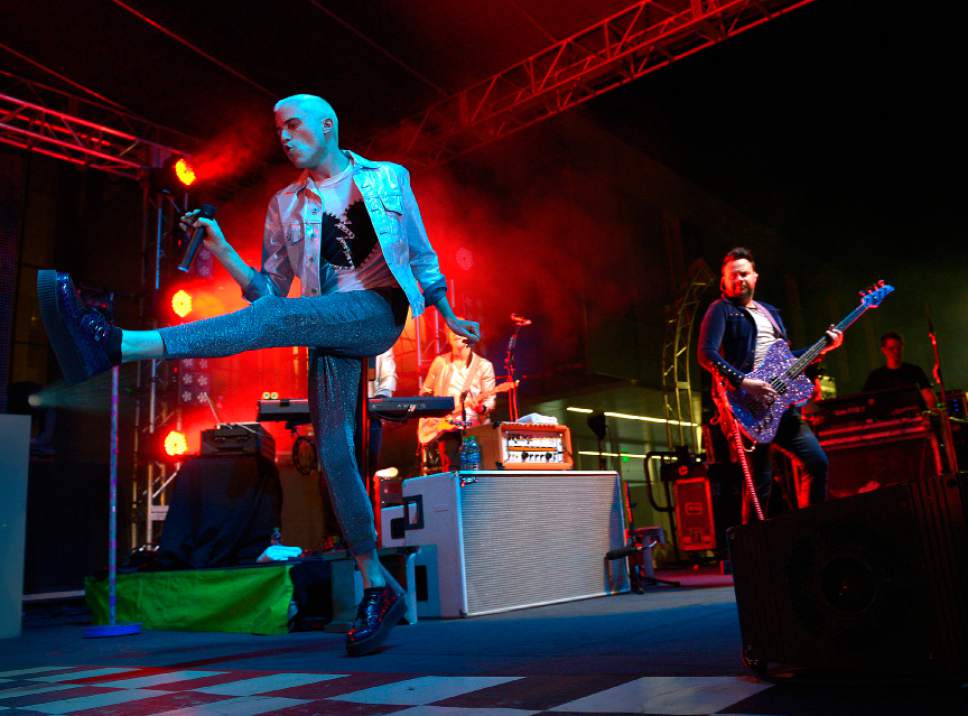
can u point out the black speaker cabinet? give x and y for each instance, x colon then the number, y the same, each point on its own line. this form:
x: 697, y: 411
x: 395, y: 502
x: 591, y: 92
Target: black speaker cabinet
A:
x: 222, y: 512
x: 865, y: 457
x: 874, y: 583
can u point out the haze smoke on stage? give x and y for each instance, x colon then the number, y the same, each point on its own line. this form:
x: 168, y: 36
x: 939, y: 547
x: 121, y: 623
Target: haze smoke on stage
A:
x: 247, y: 142
x: 538, y: 248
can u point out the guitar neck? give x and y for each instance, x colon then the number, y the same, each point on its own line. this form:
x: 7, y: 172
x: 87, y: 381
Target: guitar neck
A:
x: 502, y: 388
x: 816, y: 349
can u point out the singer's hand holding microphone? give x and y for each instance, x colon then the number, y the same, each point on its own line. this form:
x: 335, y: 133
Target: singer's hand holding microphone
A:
x: 200, y: 224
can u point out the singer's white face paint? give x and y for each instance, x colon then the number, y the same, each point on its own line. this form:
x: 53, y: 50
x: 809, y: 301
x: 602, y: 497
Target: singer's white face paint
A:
x: 307, y: 130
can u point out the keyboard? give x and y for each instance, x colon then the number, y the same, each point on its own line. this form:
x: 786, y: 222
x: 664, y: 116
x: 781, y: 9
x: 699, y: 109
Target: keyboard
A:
x: 295, y: 411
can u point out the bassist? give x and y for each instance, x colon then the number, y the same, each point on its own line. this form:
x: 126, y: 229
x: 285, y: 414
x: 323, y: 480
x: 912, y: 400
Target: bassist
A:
x: 735, y: 335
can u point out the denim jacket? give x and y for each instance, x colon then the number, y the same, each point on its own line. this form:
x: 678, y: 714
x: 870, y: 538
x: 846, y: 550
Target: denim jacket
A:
x: 393, y: 211
x: 727, y: 339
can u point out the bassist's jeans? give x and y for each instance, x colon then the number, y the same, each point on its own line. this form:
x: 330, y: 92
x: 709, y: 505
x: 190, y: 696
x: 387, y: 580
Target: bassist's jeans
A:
x: 794, y: 436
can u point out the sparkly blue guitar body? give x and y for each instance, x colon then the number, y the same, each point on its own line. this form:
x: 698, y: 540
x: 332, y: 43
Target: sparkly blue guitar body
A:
x: 759, y: 420
x: 784, y: 371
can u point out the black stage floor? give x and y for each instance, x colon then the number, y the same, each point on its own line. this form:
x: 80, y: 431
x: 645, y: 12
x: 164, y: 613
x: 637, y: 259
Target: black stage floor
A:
x: 670, y: 651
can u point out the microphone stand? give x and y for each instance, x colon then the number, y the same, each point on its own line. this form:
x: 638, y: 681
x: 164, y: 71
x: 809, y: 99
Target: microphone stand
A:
x: 509, y: 370
x: 946, y: 434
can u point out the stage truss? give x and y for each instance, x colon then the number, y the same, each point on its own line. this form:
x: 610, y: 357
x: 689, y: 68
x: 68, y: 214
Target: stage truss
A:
x: 89, y: 134
x: 677, y: 393
x: 643, y: 38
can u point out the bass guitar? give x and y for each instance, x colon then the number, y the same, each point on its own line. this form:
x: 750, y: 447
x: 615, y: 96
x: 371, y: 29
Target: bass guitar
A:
x: 428, y: 429
x: 760, y: 420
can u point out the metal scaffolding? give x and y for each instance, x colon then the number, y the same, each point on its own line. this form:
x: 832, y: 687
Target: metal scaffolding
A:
x: 90, y: 134
x: 156, y: 408
x: 677, y: 393
x: 634, y: 42
x: 109, y: 139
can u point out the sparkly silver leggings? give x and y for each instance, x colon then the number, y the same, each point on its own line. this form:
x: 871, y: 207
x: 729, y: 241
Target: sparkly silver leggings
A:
x: 339, y: 328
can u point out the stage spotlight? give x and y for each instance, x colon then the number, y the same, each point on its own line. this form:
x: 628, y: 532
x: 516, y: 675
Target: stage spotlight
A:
x: 176, y: 443
x: 175, y: 175
x: 184, y: 171
x: 181, y: 303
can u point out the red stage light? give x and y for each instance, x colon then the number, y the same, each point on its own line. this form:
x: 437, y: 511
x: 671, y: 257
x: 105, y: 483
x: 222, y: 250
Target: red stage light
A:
x: 181, y: 303
x: 175, y: 443
x: 185, y: 172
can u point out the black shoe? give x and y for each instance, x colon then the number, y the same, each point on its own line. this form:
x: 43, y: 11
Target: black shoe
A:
x: 81, y: 337
x: 377, y: 614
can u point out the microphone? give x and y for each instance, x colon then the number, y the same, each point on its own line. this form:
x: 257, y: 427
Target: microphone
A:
x: 519, y: 320
x: 207, y: 212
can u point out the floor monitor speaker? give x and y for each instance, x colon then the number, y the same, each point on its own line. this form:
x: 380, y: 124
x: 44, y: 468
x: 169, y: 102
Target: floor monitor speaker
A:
x: 871, y: 583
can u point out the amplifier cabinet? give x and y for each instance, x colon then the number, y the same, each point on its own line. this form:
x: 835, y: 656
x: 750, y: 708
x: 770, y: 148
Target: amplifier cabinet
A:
x: 239, y: 439
x: 509, y: 540
x: 523, y: 446
x: 868, y: 456
x: 694, y: 514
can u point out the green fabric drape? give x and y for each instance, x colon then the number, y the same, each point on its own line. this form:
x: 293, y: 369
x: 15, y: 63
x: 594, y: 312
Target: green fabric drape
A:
x: 249, y: 600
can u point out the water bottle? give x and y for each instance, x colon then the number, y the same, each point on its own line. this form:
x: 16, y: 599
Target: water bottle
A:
x: 470, y: 454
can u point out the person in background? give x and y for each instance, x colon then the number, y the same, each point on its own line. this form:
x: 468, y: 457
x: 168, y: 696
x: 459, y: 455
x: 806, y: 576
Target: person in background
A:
x: 467, y: 377
x: 895, y: 373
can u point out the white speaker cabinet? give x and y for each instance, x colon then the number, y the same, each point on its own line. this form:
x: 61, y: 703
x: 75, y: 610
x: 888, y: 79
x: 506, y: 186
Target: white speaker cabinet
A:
x: 493, y: 541
x: 14, y: 460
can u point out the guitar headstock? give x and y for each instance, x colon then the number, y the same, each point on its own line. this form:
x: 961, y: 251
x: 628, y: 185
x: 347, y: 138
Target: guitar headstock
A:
x: 872, y: 297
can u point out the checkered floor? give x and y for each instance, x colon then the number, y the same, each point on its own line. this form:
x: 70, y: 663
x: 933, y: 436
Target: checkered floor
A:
x: 142, y: 691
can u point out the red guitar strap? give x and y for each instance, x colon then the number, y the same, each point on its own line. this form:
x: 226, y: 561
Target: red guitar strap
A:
x: 730, y: 427
x: 769, y: 316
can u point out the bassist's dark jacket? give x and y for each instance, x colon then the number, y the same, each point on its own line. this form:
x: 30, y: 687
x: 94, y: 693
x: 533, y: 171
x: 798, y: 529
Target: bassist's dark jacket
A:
x: 727, y: 339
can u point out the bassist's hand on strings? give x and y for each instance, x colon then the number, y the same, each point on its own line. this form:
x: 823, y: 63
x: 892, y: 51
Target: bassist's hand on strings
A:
x: 835, y: 339
x: 759, y: 390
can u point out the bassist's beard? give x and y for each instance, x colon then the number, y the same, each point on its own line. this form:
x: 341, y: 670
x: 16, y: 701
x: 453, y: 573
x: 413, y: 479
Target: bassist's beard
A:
x: 744, y: 295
